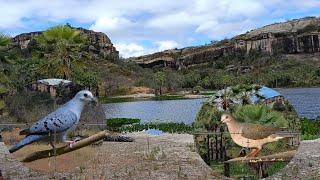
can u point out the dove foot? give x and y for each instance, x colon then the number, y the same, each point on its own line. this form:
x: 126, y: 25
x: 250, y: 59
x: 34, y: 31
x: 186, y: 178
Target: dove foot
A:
x: 253, y: 153
x: 52, y: 145
x: 70, y: 143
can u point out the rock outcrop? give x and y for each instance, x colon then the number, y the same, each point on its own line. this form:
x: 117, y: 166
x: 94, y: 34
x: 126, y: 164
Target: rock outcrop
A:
x: 99, y: 43
x: 293, y: 37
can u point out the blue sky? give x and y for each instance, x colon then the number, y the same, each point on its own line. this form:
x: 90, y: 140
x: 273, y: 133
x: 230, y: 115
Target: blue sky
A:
x: 138, y: 27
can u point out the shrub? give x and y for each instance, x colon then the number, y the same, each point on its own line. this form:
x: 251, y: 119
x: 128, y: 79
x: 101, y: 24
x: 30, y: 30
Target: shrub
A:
x: 116, y: 123
x: 170, y: 127
x: 260, y: 114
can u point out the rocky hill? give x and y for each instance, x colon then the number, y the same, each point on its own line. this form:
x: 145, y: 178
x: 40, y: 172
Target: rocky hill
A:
x: 294, y: 37
x: 99, y: 43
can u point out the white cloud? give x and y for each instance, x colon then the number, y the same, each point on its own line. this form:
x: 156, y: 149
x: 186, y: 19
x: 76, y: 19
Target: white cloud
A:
x: 222, y: 30
x: 164, y: 45
x: 110, y: 24
x: 130, y: 50
x: 114, y: 26
x: 153, y: 21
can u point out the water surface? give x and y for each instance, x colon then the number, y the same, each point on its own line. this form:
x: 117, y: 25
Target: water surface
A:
x: 162, y: 111
x: 306, y: 101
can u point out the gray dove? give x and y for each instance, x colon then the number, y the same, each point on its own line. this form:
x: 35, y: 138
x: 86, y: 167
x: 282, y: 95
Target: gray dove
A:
x: 59, y: 122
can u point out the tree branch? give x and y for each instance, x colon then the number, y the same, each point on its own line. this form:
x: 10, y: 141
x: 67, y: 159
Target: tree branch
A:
x: 283, y: 156
x: 65, y: 149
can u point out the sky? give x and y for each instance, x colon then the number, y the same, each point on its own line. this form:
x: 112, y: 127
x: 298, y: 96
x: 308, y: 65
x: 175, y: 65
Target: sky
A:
x: 138, y: 27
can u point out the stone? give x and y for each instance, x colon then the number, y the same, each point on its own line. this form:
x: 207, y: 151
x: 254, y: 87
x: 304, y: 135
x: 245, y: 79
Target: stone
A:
x: 99, y: 43
x: 299, y: 36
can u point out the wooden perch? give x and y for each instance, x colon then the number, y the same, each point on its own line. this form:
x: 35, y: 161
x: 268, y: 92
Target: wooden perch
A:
x: 65, y: 149
x: 283, y: 156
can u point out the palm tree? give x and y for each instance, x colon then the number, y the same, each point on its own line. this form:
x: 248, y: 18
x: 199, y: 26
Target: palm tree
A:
x: 261, y: 114
x: 159, y: 79
x: 62, y: 46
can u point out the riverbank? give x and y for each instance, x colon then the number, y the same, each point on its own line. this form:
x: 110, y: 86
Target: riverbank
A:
x: 150, y: 96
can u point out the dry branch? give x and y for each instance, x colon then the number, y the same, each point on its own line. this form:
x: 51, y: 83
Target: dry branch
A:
x: 283, y: 156
x: 65, y: 149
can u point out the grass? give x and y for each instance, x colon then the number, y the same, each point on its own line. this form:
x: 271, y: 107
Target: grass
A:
x: 275, y: 167
x: 118, y: 122
x: 206, y: 93
x: 310, y: 129
x: 134, y: 125
x: 105, y: 100
x: 240, y: 170
x: 168, y: 97
x: 169, y: 127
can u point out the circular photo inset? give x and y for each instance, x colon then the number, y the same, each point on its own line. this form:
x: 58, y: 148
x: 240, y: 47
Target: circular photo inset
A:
x: 247, y: 131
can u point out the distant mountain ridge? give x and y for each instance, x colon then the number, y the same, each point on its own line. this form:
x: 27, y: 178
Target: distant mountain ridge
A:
x: 298, y: 36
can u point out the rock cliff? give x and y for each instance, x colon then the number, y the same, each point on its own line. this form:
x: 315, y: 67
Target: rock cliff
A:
x: 299, y: 36
x: 99, y: 43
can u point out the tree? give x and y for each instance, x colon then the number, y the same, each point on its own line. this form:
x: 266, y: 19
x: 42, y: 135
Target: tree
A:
x: 159, y: 80
x: 62, y: 55
x: 5, y: 68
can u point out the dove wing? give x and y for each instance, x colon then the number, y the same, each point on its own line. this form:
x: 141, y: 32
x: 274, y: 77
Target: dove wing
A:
x: 257, y: 131
x: 58, y: 121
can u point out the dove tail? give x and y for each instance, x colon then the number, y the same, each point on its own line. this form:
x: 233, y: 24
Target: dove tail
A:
x: 282, y: 135
x: 27, y: 140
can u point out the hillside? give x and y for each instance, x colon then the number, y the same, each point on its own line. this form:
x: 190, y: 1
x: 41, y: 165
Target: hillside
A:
x: 294, y: 37
x: 91, y: 63
x: 99, y: 43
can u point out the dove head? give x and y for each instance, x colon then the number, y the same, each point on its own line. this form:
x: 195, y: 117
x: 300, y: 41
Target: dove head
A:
x: 226, y: 118
x: 85, y: 96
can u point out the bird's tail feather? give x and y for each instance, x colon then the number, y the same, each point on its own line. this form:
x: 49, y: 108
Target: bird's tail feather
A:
x: 27, y: 140
x: 283, y: 134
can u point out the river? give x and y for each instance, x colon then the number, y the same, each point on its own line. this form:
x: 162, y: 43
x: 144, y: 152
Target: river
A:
x: 305, y: 100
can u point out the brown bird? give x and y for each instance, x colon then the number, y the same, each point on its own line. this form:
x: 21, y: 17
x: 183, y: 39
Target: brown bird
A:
x: 252, y: 136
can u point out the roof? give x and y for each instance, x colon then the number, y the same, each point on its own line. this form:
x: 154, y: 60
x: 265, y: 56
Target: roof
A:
x: 54, y: 82
x: 268, y: 92
x: 265, y: 92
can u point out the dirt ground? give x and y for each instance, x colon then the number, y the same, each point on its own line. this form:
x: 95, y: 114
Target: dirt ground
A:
x: 169, y: 156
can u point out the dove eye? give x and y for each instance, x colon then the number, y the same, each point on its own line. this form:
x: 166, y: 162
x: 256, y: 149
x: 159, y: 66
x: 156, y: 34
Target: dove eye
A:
x: 85, y: 95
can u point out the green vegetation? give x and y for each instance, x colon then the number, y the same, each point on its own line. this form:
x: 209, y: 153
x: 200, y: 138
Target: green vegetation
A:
x: 105, y: 99
x: 310, y: 129
x: 116, y: 123
x: 159, y: 79
x: 60, y: 52
x: 168, y: 97
x: 133, y: 125
x: 169, y: 127
x: 260, y: 114
x: 235, y: 100
x: 6, y: 70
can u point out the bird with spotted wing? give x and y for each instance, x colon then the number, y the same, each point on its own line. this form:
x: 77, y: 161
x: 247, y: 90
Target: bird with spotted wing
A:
x: 58, y: 123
